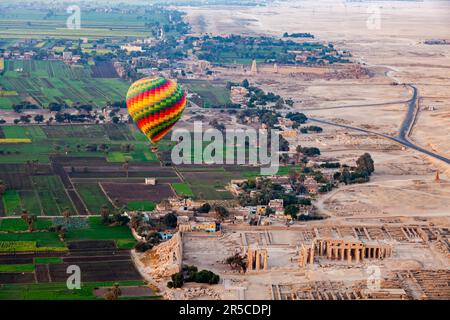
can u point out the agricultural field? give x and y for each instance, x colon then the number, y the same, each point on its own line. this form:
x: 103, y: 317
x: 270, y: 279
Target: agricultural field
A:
x: 53, y: 198
x: 101, y: 251
x: 46, y: 196
x: 39, y: 182
x: 211, y: 94
x: 74, y: 140
x: 98, y: 231
x: 12, y: 225
x: 143, y: 205
x: 183, y: 189
x: 48, y: 260
x: 54, y: 81
x: 11, y: 202
x: 59, y: 291
x: 16, y: 267
x: 103, y: 69
x: 26, y: 22
x: 92, y: 196
x: 82, y: 167
x: 210, y: 183
x: 13, y: 238
x: 129, y: 192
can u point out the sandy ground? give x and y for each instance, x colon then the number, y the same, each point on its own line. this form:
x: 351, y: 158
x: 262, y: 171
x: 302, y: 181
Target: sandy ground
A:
x: 397, y: 45
x: 395, y: 52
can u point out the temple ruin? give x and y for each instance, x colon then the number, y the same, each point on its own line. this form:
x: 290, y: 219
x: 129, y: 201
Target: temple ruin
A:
x: 257, y: 259
x: 343, y: 250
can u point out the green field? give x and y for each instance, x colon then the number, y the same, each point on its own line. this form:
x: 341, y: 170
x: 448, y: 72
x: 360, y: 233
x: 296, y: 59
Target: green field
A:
x: 11, y: 202
x: 94, y: 229
x: 22, y: 22
x: 16, y: 267
x: 57, y: 291
x: 17, y: 224
x: 30, y: 132
x: 183, y: 189
x: 30, y: 242
x: 93, y: 196
x: 52, y: 195
x: 48, y: 260
x: 74, y: 141
x: 139, y: 154
x: 117, y: 157
x: 141, y: 205
x: 126, y: 243
x: 98, y: 231
x: 282, y: 170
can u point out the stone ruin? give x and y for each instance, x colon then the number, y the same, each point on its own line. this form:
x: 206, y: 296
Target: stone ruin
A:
x: 343, y: 250
x: 166, y: 258
x: 257, y: 259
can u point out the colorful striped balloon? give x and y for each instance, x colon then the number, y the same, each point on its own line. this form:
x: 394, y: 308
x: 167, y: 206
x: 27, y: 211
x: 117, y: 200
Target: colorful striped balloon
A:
x: 155, y: 104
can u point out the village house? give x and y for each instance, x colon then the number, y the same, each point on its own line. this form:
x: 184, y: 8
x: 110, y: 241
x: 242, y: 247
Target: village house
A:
x: 277, y: 205
x: 311, y: 185
x: 131, y: 48
x: 198, y: 227
x: 238, y: 94
x: 150, y: 181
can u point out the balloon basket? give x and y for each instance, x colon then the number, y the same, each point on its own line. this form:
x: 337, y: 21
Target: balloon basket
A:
x: 154, y: 149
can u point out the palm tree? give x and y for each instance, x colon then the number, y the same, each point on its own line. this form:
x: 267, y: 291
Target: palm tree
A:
x: 236, y: 261
x: 298, y: 152
x: 221, y: 213
x: 29, y: 219
x: 113, y: 293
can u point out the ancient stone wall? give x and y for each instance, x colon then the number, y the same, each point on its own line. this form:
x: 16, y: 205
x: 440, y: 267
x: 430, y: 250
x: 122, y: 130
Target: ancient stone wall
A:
x: 166, y: 258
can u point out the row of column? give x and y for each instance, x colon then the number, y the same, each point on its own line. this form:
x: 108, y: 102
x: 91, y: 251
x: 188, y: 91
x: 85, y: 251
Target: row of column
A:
x: 257, y: 260
x: 342, y: 250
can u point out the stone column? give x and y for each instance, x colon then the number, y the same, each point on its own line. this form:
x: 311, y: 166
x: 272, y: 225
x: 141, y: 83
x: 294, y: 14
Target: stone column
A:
x: 250, y: 259
x: 329, y: 251
x: 357, y: 254
x: 336, y: 251
x: 258, y: 260
x: 266, y: 261
x: 311, y: 256
x: 349, y: 255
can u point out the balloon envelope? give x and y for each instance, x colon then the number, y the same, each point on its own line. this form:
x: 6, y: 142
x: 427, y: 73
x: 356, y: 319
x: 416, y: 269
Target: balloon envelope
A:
x: 155, y: 104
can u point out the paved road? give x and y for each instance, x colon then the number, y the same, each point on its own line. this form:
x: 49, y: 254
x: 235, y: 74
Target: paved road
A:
x: 402, y: 136
x: 408, y: 122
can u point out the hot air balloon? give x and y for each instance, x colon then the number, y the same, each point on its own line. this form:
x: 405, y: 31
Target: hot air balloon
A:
x: 155, y: 104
